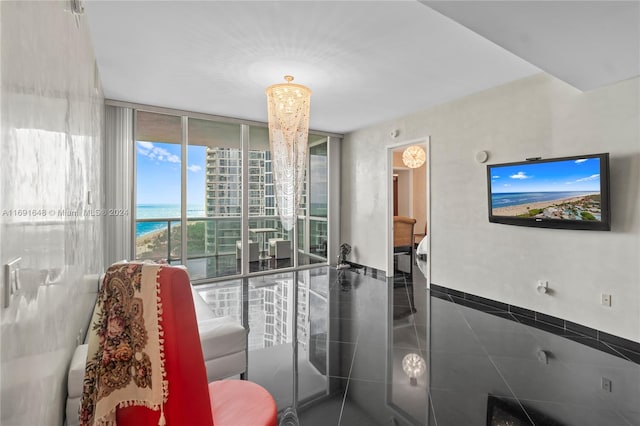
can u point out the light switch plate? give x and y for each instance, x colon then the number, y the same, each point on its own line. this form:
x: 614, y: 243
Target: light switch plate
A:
x: 11, y: 281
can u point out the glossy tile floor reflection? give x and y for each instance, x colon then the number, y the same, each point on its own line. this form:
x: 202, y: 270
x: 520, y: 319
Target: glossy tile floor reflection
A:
x: 481, y: 368
x: 225, y: 265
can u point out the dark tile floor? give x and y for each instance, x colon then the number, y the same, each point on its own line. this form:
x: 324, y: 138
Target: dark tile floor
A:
x: 355, y: 329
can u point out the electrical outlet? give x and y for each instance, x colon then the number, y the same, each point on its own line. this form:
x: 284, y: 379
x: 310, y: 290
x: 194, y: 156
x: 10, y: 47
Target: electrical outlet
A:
x: 606, y: 300
x: 606, y: 384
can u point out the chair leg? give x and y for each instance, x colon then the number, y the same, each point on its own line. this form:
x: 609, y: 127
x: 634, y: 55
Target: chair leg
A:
x: 411, y: 266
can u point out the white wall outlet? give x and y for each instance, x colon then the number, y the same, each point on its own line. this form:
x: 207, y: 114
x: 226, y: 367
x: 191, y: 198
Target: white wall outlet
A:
x: 605, y: 300
x: 606, y: 384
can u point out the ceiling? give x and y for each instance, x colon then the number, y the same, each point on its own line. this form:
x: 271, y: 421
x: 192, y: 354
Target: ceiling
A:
x: 365, y: 61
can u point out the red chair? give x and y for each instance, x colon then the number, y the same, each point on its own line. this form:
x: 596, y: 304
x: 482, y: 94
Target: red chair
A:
x: 193, y: 401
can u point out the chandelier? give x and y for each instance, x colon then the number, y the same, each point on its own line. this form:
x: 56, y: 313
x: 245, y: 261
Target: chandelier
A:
x: 288, y: 112
x: 413, y: 157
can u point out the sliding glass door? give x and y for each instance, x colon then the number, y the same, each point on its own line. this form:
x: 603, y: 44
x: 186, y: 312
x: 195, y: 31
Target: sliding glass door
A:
x: 191, y: 172
x: 313, y: 214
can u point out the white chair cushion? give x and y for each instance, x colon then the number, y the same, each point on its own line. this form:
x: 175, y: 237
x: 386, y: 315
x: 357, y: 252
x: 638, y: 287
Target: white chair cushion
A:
x: 75, y: 377
x: 203, y: 311
x: 221, y: 336
x: 73, y: 411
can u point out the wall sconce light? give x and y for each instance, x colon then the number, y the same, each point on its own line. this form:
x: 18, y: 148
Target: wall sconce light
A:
x: 77, y: 6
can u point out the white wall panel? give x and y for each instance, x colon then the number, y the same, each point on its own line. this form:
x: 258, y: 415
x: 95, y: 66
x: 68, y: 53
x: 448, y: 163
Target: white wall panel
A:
x: 51, y: 202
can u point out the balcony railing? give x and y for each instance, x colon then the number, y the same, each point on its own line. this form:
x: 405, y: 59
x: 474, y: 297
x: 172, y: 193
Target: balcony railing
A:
x: 207, y: 237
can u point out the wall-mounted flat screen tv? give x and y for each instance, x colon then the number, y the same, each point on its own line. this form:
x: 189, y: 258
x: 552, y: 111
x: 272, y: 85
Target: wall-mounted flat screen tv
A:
x: 565, y: 193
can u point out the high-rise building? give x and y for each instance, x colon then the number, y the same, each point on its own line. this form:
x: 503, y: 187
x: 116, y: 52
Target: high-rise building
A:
x: 223, y: 201
x: 224, y: 187
x: 223, y: 198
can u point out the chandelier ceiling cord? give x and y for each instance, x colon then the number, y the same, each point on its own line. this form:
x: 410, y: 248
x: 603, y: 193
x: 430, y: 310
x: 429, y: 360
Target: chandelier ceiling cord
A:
x: 288, y: 107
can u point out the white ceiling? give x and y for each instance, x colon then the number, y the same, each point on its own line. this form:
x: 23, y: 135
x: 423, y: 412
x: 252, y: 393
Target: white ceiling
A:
x: 588, y: 44
x: 365, y: 61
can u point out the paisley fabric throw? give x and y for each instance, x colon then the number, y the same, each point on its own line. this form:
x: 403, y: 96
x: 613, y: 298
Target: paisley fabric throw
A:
x: 125, y: 362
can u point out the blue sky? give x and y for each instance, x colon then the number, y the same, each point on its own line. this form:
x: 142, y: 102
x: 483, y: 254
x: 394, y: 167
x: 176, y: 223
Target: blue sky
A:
x: 560, y: 176
x: 158, y: 173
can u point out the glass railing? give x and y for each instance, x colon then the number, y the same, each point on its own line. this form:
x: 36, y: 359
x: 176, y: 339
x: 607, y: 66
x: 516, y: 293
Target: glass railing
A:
x: 212, y: 241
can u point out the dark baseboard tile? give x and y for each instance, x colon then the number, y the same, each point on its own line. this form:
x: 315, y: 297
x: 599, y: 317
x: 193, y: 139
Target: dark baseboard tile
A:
x: 619, y: 346
x: 527, y: 313
x: 367, y: 270
x: 581, y: 329
x: 470, y: 300
x: 555, y: 321
x: 445, y: 290
x: 490, y: 304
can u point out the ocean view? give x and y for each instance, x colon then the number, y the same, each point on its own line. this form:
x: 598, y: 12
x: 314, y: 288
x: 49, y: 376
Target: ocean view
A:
x: 172, y: 211
x: 158, y: 211
x: 516, y: 198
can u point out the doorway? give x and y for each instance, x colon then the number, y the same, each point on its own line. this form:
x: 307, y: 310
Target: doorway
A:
x: 408, y: 196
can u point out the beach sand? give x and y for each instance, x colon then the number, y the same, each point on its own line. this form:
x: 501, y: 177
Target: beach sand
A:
x: 144, y: 244
x: 524, y: 208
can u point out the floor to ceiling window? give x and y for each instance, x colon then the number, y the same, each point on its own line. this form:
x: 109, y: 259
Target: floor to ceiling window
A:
x: 189, y: 172
x: 312, y: 216
x: 214, y: 187
x: 158, y: 186
x: 272, y: 241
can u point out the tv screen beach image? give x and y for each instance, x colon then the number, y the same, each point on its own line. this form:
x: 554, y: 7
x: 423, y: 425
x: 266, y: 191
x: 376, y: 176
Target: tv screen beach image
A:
x: 565, y: 190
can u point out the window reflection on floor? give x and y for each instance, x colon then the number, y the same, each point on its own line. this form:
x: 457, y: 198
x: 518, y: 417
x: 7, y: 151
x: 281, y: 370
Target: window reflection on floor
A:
x: 271, y: 325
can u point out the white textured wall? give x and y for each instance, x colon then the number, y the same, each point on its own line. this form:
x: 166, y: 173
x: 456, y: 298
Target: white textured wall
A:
x: 536, y: 116
x: 51, y: 156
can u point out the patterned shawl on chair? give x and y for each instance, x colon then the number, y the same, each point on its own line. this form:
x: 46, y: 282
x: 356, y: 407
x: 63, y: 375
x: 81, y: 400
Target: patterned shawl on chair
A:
x: 125, y: 361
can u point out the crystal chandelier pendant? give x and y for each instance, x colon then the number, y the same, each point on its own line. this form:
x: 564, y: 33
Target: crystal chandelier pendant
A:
x: 288, y: 111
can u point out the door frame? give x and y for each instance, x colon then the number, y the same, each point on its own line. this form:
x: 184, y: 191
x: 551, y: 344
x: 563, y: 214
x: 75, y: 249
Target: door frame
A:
x: 426, y: 143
